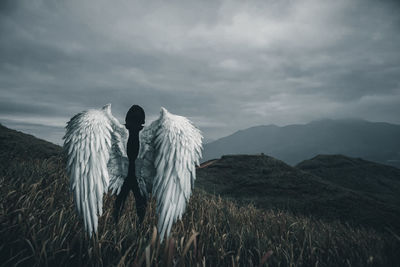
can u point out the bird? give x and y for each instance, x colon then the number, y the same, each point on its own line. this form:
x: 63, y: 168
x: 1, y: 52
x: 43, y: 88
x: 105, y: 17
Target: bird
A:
x: 104, y: 155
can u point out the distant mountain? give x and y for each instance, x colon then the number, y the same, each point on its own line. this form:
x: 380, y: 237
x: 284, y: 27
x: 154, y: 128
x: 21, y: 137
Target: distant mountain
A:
x: 374, y: 141
x: 271, y: 183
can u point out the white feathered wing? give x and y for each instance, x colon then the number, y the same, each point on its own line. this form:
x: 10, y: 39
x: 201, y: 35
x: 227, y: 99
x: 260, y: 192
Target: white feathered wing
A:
x: 95, y: 143
x: 170, y: 149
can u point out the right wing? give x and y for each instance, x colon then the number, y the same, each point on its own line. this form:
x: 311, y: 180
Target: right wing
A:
x: 170, y: 150
x: 95, y: 145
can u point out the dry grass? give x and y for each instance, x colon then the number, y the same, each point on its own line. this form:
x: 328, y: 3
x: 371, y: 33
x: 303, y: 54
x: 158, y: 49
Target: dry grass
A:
x: 39, y: 227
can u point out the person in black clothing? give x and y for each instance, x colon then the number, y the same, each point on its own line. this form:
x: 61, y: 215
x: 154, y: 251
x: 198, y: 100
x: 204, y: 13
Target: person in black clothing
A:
x: 135, y: 118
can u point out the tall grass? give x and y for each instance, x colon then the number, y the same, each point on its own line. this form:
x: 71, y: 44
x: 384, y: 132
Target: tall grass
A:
x: 39, y: 227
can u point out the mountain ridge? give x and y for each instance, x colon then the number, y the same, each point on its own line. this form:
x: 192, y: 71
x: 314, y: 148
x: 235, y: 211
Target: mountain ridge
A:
x: 374, y: 141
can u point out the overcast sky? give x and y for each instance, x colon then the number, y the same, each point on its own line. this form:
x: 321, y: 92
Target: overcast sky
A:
x: 227, y: 65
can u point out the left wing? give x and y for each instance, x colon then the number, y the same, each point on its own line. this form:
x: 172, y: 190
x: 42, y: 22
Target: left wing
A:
x: 171, y: 146
x: 95, y: 146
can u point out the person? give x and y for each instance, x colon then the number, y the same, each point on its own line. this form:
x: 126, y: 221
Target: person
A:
x: 134, y: 120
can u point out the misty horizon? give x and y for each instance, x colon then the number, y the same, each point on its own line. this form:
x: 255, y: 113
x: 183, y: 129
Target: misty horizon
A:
x: 56, y: 133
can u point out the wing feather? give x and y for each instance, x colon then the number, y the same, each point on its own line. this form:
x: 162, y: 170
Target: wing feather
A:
x: 177, y: 144
x: 94, y: 143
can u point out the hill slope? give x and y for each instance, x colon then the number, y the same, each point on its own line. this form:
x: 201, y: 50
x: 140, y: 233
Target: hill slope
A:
x: 17, y: 146
x: 376, y: 180
x: 378, y: 142
x: 39, y: 227
x: 270, y: 183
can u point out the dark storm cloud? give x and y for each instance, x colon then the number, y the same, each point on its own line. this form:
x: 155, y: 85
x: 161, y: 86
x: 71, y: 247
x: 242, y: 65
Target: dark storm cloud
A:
x: 10, y: 107
x: 225, y: 64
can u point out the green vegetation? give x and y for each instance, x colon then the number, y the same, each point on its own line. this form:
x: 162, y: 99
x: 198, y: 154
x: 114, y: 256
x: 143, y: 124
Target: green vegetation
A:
x: 269, y: 183
x: 17, y: 146
x: 379, y: 181
x: 39, y: 227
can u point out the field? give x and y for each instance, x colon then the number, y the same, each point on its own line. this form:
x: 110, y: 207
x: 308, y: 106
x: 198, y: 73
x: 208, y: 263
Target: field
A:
x: 39, y: 227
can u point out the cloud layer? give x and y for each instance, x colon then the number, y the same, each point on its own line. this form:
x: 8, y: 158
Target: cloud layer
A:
x: 227, y: 65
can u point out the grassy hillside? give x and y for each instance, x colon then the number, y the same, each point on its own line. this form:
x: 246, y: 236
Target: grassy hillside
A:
x: 270, y: 183
x: 376, y: 180
x: 39, y: 227
x: 17, y: 146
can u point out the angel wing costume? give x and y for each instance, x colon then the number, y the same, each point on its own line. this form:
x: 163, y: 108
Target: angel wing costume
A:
x: 101, y: 156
